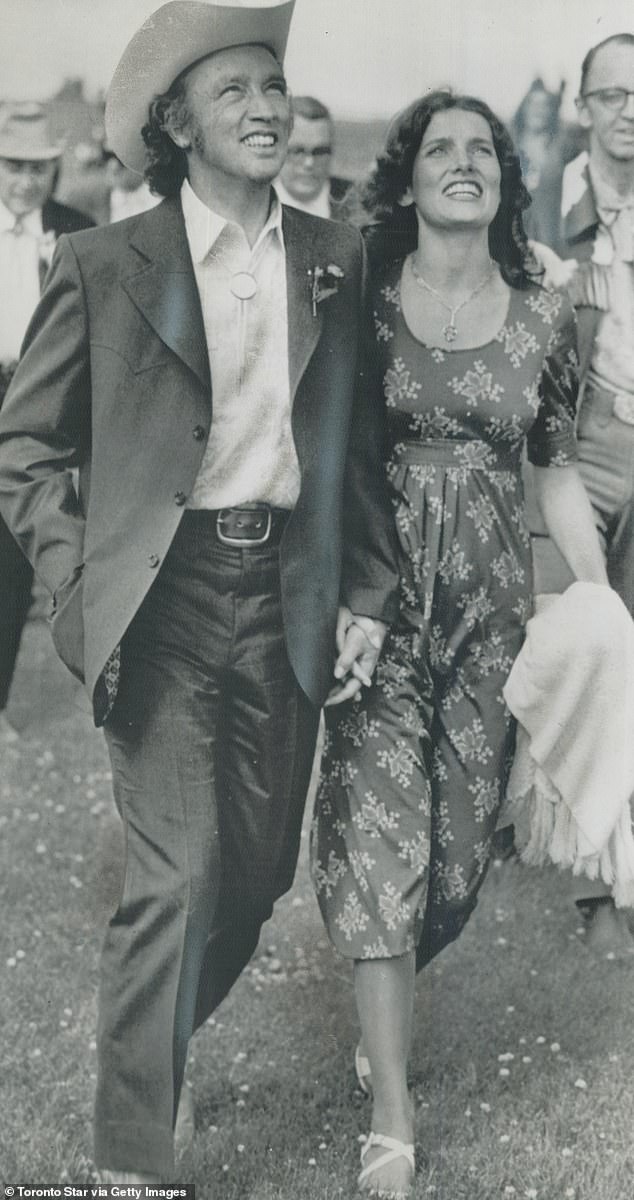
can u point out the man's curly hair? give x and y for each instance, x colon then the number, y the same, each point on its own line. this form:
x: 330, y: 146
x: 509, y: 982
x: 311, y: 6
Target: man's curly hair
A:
x: 166, y: 163
x: 394, y: 229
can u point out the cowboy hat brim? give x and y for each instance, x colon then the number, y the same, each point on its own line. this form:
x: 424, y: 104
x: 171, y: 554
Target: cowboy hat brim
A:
x: 25, y: 133
x: 17, y: 151
x: 172, y: 39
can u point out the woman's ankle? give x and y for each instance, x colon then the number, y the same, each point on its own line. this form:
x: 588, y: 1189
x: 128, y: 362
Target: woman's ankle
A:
x: 394, y: 1119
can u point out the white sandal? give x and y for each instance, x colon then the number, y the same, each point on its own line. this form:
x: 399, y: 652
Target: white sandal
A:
x: 394, y: 1150
x: 363, y: 1071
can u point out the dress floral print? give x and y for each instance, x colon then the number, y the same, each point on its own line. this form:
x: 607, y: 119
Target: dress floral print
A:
x: 413, y: 772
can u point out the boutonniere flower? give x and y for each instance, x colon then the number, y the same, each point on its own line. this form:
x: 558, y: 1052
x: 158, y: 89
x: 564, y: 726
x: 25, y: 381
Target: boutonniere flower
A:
x: 46, y: 246
x: 324, y: 282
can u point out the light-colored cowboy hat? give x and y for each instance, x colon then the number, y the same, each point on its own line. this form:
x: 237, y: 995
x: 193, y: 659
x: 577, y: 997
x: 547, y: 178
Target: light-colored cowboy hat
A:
x: 172, y: 39
x: 25, y: 133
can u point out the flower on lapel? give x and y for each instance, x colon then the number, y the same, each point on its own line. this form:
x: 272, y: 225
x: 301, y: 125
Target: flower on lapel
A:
x: 324, y: 282
x: 46, y: 246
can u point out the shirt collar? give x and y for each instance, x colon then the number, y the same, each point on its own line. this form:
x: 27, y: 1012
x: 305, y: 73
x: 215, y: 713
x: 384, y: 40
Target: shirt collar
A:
x: 606, y: 196
x: 31, y: 223
x: 204, y: 226
x: 579, y: 208
x: 319, y: 206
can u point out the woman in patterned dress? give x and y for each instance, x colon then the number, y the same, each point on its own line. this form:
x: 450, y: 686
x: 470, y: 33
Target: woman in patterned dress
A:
x: 475, y: 360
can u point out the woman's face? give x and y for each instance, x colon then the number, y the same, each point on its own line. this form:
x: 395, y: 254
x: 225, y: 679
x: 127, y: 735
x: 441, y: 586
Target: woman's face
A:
x: 456, y: 175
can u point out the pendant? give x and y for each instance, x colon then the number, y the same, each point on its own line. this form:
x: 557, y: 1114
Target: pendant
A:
x: 243, y: 285
x: 449, y: 332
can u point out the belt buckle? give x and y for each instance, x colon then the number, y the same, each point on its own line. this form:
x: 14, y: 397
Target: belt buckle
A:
x: 244, y: 541
x: 624, y: 408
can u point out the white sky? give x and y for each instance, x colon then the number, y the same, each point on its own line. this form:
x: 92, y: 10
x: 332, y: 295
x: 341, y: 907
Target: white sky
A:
x: 362, y: 57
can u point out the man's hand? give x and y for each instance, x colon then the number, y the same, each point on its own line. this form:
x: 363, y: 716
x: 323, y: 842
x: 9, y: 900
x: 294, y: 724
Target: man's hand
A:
x: 359, y: 642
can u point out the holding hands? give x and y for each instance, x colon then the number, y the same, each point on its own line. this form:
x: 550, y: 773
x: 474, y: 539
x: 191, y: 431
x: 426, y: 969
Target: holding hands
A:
x: 359, y: 642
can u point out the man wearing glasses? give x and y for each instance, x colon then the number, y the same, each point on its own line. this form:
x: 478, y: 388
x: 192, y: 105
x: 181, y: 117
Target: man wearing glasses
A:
x: 598, y: 245
x: 305, y: 181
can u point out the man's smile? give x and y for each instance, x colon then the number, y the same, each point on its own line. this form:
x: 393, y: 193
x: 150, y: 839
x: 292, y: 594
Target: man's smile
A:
x: 260, y: 141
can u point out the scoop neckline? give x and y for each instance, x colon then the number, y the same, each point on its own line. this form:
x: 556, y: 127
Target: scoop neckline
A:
x: 449, y: 350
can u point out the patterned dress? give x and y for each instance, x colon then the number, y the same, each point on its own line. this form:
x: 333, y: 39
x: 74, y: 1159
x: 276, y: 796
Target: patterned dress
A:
x: 413, y: 772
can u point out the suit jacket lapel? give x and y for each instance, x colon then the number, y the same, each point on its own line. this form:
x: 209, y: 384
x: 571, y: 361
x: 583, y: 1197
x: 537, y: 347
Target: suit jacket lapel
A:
x: 304, y: 327
x: 582, y: 220
x: 164, y: 287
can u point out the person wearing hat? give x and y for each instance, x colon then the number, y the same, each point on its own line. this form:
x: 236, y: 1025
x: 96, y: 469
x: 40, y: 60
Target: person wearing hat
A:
x: 30, y: 223
x: 202, y: 366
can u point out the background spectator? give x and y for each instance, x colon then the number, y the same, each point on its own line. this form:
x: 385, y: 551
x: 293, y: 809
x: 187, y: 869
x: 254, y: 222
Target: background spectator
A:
x: 30, y: 223
x: 305, y: 180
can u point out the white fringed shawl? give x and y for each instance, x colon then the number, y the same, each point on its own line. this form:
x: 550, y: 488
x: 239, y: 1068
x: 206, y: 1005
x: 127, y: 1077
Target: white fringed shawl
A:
x: 571, y: 689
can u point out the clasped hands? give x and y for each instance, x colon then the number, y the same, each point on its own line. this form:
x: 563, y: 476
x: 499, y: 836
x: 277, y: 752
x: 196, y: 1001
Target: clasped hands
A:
x: 359, y: 641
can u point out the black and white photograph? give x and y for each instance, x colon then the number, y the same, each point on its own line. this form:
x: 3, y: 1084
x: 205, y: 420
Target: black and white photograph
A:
x: 317, y: 599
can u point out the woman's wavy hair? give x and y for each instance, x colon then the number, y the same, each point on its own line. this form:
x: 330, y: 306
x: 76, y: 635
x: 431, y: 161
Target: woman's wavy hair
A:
x: 166, y: 163
x: 394, y: 229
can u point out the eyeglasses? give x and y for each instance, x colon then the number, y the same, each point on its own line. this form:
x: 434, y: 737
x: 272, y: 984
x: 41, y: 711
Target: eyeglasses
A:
x: 307, y: 152
x: 612, y: 98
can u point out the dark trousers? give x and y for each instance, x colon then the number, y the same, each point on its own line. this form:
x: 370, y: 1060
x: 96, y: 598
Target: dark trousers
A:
x: 211, y: 743
x: 16, y: 579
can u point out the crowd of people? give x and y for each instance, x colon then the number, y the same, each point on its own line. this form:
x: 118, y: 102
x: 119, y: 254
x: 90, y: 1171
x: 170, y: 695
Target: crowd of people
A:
x: 265, y: 467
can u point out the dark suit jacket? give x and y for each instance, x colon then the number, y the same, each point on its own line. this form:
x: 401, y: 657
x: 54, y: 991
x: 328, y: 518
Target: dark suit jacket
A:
x: 114, y: 380
x: 579, y: 228
x: 60, y: 218
x: 56, y: 218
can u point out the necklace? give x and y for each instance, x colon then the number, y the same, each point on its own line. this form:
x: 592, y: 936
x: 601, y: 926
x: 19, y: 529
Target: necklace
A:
x: 449, y: 331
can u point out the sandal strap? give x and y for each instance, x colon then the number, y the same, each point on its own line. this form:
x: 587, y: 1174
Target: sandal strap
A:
x: 395, y: 1149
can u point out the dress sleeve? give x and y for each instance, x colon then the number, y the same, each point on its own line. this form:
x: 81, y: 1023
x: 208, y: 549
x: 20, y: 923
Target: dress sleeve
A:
x: 551, y: 440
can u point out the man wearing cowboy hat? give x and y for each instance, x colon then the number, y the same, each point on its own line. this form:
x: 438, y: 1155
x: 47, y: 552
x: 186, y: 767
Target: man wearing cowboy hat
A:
x: 200, y: 365
x: 30, y: 223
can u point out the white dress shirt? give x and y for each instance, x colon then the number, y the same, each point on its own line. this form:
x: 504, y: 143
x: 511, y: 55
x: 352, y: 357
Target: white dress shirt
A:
x: 20, y: 275
x: 319, y: 206
x: 250, y: 454
x: 130, y: 203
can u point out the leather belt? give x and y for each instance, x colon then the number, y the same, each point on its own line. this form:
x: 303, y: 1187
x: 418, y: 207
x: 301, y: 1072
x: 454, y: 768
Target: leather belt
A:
x: 253, y: 525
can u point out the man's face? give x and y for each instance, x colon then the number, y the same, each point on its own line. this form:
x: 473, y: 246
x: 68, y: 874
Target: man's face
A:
x: 611, y: 130
x: 26, y: 184
x: 239, y: 115
x: 309, y: 158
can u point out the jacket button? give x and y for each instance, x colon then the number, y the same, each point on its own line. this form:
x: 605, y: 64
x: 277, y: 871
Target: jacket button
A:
x: 153, y: 560
x: 180, y: 497
x: 199, y: 432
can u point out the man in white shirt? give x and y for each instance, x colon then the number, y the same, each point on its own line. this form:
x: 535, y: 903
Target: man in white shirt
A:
x: 129, y: 193
x: 305, y: 180
x: 30, y: 222
x: 218, y: 543
x: 597, y: 245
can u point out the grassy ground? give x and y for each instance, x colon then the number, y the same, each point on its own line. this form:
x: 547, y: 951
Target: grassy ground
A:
x: 524, y: 1058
